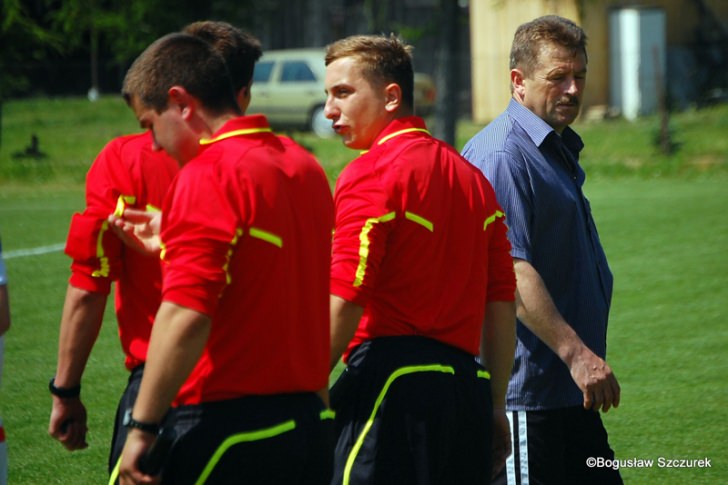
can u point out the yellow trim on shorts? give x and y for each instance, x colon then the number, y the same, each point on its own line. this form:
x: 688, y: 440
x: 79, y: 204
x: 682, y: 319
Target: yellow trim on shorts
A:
x: 402, y: 371
x: 238, y: 438
x: 115, y: 472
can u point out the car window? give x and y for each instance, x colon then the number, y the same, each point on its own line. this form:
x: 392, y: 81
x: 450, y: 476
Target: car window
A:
x: 262, y: 71
x: 296, y: 71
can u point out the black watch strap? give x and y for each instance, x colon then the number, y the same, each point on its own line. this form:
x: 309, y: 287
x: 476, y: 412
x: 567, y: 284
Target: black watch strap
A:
x: 130, y: 422
x: 64, y: 392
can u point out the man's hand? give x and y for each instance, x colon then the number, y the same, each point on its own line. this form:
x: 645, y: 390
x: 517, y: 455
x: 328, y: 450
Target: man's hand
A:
x: 138, y: 229
x: 596, y: 381
x: 502, y: 445
x: 68, y: 423
x: 137, y: 444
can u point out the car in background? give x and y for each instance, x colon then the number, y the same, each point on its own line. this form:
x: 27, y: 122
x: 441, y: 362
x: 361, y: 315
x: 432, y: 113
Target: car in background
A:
x: 288, y: 87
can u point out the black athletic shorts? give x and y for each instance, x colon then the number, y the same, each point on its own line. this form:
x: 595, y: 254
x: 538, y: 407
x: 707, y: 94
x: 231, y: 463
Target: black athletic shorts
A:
x: 128, y: 398
x: 412, y: 410
x: 566, y: 446
x: 261, y: 440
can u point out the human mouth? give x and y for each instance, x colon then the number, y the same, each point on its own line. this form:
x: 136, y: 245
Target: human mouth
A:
x: 568, y: 103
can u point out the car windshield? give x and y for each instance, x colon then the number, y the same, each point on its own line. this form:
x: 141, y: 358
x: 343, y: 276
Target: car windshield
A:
x: 296, y: 71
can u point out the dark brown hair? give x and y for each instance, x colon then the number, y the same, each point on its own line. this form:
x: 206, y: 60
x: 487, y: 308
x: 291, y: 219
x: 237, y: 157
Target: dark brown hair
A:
x: 180, y: 60
x: 550, y: 29
x: 240, y: 50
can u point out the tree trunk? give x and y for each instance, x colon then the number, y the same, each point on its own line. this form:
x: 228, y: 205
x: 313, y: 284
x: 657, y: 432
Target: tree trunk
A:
x: 447, y: 71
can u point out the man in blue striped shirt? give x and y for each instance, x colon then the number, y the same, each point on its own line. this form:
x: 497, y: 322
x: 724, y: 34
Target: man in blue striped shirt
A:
x: 560, y: 380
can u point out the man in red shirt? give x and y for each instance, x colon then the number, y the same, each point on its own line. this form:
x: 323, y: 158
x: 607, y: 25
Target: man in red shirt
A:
x: 421, y: 284
x: 127, y: 176
x: 126, y: 173
x: 240, y: 342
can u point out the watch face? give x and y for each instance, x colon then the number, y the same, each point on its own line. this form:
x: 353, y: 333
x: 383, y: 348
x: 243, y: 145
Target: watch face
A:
x: 129, y: 422
x: 127, y: 417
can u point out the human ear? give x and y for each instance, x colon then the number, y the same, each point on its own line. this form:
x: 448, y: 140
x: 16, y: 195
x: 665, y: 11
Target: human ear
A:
x: 517, y: 83
x: 393, y: 97
x: 180, y: 99
x: 243, y: 97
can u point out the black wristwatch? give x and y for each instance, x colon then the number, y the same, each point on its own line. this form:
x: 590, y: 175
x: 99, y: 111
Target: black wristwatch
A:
x: 130, y: 422
x: 63, y: 392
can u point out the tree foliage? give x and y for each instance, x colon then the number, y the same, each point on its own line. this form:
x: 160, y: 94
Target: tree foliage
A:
x: 54, y: 42
x: 22, y: 37
x: 125, y: 27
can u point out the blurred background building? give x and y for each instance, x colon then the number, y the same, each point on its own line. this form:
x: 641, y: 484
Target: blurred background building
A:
x: 638, y: 51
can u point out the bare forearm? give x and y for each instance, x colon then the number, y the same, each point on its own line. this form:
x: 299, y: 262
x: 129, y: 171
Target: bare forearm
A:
x: 498, y: 342
x: 345, y: 318
x: 83, y: 313
x: 537, y: 311
x: 178, y: 338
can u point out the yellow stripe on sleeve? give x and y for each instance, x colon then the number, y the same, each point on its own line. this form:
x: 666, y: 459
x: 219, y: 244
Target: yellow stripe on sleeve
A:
x: 266, y: 236
x: 490, y: 220
x: 420, y: 220
x: 104, y: 268
x: 364, y: 243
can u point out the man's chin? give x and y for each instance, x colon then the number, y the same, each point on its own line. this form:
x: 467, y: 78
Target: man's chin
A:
x: 568, y: 111
x: 350, y: 142
x: 565, y: 118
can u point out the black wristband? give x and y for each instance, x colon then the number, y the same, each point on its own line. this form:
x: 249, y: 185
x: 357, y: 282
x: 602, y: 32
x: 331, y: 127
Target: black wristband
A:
x: 129, y: 422
x: 64, y: 392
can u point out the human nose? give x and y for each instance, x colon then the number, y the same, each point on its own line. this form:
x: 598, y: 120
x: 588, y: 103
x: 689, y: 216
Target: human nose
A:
x: 330, y: 110
x: 573, y: 86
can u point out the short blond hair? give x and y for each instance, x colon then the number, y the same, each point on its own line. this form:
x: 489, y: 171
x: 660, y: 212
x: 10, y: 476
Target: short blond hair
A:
x: 382, y: 59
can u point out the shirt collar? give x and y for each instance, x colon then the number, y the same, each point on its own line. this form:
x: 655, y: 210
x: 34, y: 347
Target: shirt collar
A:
x: 538, y: 130
x: 400, y: 126
x: 240, y: 126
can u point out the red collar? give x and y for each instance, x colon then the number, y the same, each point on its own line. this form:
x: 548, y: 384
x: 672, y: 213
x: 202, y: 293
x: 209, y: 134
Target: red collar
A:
x: 240, y: 126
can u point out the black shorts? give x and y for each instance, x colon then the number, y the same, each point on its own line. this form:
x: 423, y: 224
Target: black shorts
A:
x: 412, y: 410
x: 553, y: 447
x: 128, y: 398
x: 257, y: 440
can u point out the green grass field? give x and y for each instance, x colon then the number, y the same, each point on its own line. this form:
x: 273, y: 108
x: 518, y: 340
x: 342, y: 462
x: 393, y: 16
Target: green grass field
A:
x: 663, y: 222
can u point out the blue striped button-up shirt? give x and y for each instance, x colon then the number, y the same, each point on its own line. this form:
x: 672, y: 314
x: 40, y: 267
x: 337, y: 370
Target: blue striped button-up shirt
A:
x: 538, y: 182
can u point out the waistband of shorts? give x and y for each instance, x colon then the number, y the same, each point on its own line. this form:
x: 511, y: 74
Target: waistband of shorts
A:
x: 398, y: 351
x: 250, y: 404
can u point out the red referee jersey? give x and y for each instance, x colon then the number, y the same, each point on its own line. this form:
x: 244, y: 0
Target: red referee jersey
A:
x: 247, y: 238
x: 420, y: 241
x: 127, y: 169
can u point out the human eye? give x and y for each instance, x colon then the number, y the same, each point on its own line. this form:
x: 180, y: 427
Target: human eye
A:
x: 556, y: 78
x: 342, y: 92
